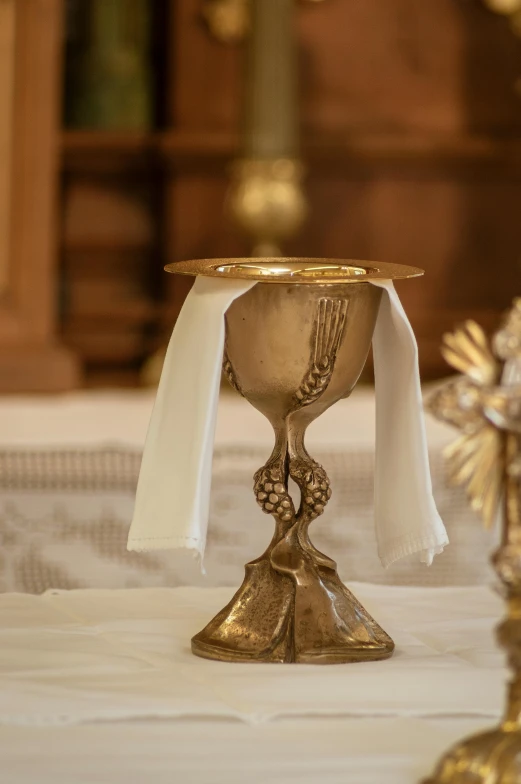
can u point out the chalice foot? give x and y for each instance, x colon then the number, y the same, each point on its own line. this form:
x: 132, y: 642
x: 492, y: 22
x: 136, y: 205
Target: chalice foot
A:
x: 292, y: 605
x: 273, y: 619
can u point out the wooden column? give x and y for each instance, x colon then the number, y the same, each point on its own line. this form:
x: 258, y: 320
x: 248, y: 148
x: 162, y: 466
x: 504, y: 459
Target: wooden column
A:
x: 31, y: 358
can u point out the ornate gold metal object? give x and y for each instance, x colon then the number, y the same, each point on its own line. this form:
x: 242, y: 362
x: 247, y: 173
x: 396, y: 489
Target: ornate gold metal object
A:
x: 294, y: 270
x: 503, y: 7
x: 509, y: 8
x: 485, y: 404
x: 267, y: 201
x: 229, y: 20
x: 266, y: 197
x: 295, y: 344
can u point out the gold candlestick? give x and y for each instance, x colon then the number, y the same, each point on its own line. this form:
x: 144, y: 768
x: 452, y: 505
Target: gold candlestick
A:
x: 229, y: 20
x: 266, y: 197
x: 485, y: 404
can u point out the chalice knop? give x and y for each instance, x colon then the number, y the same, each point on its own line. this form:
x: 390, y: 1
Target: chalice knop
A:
x: 295, y: 344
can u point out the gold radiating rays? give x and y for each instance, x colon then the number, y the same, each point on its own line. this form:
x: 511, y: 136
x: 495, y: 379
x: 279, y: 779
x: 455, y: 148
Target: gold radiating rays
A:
x: 476, y: 460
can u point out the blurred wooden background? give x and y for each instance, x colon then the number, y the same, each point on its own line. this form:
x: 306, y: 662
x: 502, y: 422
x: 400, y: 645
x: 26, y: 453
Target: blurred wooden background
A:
x: 411, y: 134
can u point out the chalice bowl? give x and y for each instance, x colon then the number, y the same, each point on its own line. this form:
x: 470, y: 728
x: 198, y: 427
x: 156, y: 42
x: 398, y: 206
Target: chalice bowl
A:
x: 295, y: 344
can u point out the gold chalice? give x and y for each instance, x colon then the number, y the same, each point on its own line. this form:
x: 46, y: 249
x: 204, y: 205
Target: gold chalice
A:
x: 295, y: 344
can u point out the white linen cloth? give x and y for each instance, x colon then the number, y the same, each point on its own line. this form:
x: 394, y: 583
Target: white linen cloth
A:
x: 172, y: 500
x: 173, y: 492
x: 325, y: 750
x: 76, y: 657
x: 406, y: 517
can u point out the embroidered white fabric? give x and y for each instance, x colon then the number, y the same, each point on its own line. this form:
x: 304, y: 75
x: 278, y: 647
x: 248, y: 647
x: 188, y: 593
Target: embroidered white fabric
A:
x: 99, y: 686
x: 69, y: 467
x: 64, y: 519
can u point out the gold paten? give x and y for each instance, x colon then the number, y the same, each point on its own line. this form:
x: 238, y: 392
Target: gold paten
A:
x: 294, y: 270
x: 295, y: 344
x: 485, y: 404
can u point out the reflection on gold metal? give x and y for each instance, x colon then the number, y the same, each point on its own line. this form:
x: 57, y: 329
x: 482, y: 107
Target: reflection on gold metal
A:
x: 294, y: 270
x: 515, y: 23
x: 508, y: 8
x: 504, y: 7
x: 293, y: 350
x: 485, y: 404
x: 267, y: 201
x: 229, y: 20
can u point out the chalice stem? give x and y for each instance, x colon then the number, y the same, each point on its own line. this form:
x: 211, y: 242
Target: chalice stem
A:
x: 315, y: 490
x: 292, y: 606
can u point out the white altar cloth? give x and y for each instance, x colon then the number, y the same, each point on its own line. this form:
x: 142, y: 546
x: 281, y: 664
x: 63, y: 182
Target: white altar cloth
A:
x: 96, y: 686
x: 69, y: 466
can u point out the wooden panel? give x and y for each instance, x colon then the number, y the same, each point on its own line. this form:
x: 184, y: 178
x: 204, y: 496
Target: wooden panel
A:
x: 109, y: 250
x: 196, y: 227
x: 30, y: 358
x: 205, y: 75
x: 405, y: 65
x: 466, y: 234
x: 412, y: 139
x: 7, y: 52
x: 88, y: 152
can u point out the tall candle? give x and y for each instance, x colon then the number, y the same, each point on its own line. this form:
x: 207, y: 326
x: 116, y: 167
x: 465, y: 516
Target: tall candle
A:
x: 271, y: 85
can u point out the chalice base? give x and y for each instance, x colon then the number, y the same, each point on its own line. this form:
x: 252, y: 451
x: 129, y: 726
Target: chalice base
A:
x: 492, y: 757
x: 303, y: 614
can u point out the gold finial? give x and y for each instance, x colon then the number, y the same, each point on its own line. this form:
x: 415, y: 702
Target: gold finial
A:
x: 504, y: 7
x: 508, y: 8
x: 267, y: 201
x: 229, y: 20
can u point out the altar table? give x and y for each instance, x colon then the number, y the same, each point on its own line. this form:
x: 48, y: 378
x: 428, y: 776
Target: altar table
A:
x: 100, y: 686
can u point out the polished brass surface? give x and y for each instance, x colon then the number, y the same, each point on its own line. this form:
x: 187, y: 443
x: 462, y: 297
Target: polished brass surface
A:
x: 292, y: 350
x: 267, y: 201
x: 229, y: 20
x: 294, y: 270
x: 485, y: 404
x: 509, y: 8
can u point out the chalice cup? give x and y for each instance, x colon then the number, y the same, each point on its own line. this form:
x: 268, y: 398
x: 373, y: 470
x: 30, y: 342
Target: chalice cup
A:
x: 295, y: 344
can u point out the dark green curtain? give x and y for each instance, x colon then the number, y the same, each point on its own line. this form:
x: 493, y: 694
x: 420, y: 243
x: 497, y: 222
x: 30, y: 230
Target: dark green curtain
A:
x: 108, y: 64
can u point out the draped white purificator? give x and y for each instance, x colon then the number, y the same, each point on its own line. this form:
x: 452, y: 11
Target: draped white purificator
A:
x: 173, y: 494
